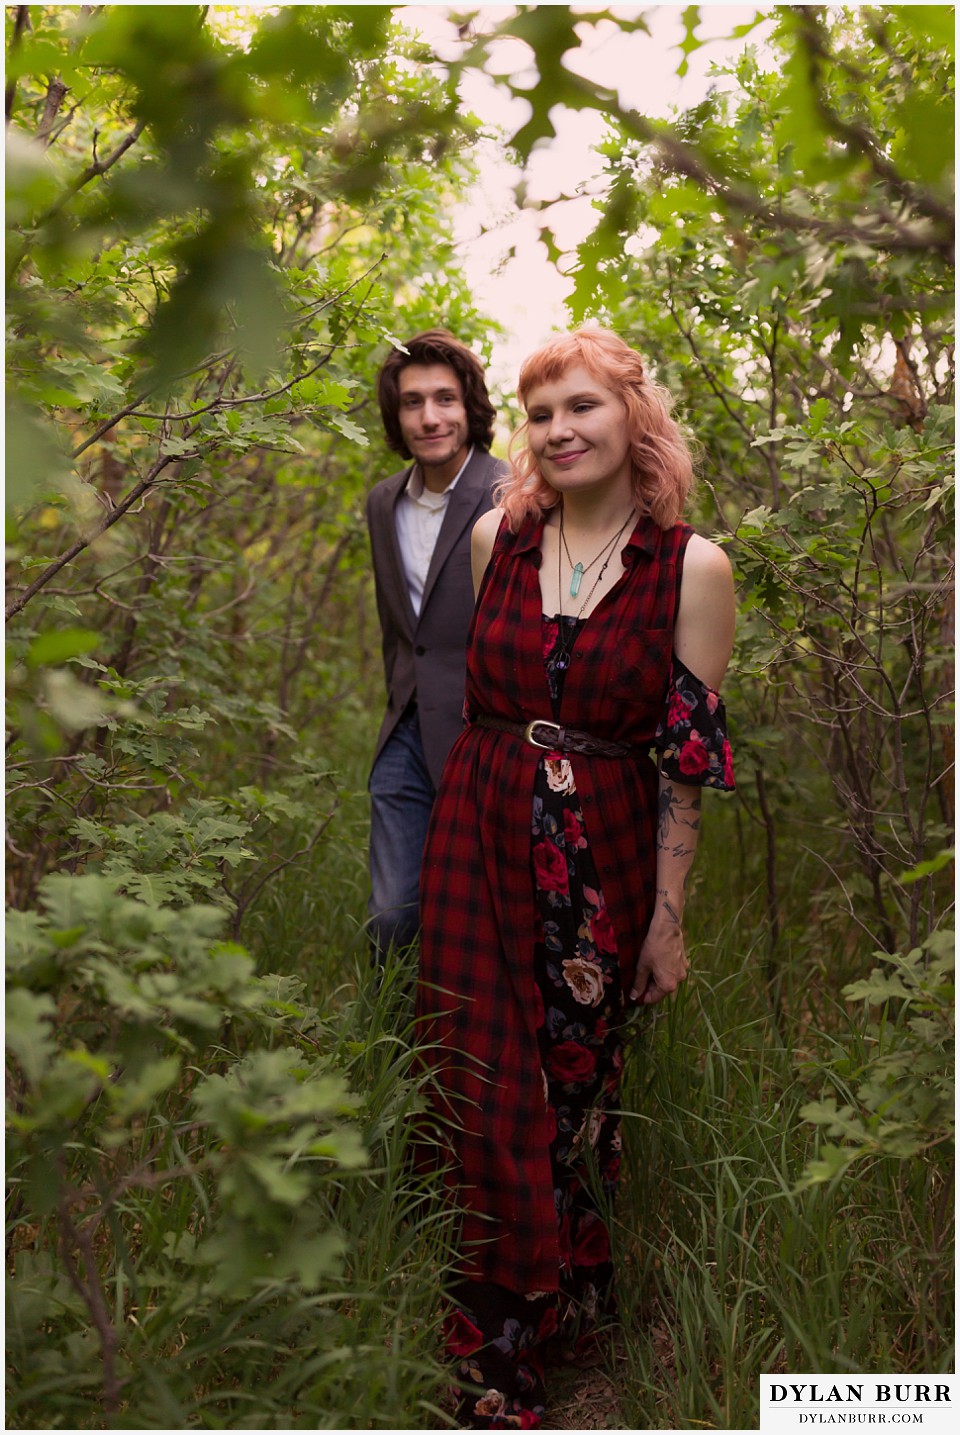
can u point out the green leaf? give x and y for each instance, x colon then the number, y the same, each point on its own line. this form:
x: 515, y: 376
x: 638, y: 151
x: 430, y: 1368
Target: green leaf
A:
x: 833, y: 1162
x: 50, y: 649
x: 689, y: 43
x: 925, y: 143
x: 35, y: 464
x: 348, y: 428
x: 138, y: 1091
x: 929, y: 22
x: 935, y: 864
x: 29, y: 1031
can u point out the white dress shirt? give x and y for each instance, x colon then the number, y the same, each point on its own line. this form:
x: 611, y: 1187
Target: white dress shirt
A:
x: 419, y: 516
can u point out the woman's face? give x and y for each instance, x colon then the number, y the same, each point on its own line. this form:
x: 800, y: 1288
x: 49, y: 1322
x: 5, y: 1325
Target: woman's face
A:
x: 578, y: 433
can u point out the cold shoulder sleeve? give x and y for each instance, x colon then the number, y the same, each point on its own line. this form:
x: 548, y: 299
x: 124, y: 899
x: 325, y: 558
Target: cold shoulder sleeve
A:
x: 691, y: 737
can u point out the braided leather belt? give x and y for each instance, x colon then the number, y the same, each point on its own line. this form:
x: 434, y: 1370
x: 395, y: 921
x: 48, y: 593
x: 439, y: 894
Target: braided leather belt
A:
x: 560, y: 739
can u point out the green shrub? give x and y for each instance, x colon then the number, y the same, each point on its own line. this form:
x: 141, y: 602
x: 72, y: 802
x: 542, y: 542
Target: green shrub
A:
x: 189, y: 1159
x: 893, y: 1093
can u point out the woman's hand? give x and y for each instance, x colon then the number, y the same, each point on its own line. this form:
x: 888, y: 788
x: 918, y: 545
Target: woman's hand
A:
x: 663, y: 961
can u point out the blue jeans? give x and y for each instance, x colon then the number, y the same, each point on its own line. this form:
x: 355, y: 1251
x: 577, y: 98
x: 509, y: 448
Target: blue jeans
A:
x: 401, y: 798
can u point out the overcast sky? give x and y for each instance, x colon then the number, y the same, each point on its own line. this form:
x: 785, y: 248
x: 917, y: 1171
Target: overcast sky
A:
x: 526, y: 292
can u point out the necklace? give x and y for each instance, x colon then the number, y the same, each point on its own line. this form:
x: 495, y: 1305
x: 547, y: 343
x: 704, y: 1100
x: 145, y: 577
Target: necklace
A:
x: 565, y: 649
x: 578, y: 569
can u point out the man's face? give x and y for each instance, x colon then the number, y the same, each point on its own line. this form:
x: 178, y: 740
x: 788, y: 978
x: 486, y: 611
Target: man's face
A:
x: 433, y: 420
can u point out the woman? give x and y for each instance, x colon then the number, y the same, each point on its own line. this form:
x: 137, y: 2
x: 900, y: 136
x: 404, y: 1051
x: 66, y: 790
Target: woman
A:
x: 555, y: 866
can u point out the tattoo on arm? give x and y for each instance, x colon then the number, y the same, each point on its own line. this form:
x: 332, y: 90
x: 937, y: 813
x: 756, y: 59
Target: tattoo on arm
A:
x: 664, y: 814
x: 667, y: 905
x: 672, y: 810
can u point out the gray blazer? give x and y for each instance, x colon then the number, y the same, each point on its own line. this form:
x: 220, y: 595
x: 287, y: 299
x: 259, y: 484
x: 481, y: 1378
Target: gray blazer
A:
x: 426, y: 656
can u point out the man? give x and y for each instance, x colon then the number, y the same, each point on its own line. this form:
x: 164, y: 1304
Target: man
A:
x: 435, y: 409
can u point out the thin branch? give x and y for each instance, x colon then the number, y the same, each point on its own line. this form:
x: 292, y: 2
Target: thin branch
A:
x: 74, y: 1238
x: 20, y: 24
x: 81, y: 543
x: 108, y: 424
x: 883, y: 229
x: 810, y: 32
x: 93, y: 171
x: 245, y: 898
x: 220, y: 404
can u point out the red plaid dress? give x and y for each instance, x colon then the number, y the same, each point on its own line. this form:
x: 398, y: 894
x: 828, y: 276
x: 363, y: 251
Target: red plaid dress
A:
x: 478, y: 995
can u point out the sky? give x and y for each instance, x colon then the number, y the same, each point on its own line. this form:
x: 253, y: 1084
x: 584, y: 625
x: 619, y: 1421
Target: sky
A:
x: 525, y: 291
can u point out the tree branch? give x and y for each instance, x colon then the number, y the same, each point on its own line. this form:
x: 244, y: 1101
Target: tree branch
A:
x: 882, y: 229
x: 810, y: 33
x: 20, y: 24
x: 56, y: 94
x: 94, y: 170
x: 81, y: 543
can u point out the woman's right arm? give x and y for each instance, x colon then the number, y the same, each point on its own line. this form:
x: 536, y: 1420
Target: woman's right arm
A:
x: 703, y: 641
x: 482, y: 539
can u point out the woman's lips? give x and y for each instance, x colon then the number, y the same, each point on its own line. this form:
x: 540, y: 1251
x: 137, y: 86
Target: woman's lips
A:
x: 563, y: 459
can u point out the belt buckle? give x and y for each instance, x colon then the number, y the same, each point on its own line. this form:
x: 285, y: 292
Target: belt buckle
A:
x: 540, y: 722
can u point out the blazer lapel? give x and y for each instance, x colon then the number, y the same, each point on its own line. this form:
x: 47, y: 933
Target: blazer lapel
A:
x: 393, y: 577
x: 464, y: 502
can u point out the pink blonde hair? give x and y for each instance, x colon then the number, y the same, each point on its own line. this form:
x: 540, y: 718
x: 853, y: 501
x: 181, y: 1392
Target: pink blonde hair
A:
x: 660, y: 458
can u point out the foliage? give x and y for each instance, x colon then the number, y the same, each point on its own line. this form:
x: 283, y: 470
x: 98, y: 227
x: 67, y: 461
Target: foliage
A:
x: 194, y: 306
x: 215, y: 233
x: 901, y: 1101
x: 861, y: 131
x: 733, y: 1264
x: 183, y: 1133
x: 206, y: 552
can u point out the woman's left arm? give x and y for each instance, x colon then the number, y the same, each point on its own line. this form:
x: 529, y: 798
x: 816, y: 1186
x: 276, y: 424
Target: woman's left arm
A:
x: 703, y: 641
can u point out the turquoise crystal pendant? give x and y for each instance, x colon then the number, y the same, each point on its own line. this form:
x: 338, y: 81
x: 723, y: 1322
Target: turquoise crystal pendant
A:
x: 575, y: 577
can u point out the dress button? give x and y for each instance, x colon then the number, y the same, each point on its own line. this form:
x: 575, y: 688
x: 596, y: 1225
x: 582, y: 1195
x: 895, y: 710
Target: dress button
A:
x: 419, y: 650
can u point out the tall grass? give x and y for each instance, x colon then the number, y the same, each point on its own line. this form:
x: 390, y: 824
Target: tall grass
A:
x: 309, y: 921
x: 727, y: 1269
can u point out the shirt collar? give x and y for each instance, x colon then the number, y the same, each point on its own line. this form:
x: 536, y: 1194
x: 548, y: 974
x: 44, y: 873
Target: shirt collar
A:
x: 414, y: 487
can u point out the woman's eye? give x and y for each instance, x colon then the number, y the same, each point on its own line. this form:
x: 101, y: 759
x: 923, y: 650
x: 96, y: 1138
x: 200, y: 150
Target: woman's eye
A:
x: 538, y: 418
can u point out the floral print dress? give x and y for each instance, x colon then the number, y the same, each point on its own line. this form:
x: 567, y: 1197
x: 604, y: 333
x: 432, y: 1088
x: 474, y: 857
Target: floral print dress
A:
x: 501, y: 1340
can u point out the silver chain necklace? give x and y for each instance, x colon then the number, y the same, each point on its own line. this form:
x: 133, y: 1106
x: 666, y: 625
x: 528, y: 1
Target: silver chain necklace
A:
x: 565, y: 650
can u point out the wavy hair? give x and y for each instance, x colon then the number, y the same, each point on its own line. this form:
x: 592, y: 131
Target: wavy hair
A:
x: 436, y: 346
x: 660, y: 458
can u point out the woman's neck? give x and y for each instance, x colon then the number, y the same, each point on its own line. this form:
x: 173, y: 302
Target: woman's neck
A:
x: 592, y: 513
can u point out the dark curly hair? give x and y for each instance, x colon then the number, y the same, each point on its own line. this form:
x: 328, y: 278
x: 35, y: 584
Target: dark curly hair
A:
x: 436, y: 346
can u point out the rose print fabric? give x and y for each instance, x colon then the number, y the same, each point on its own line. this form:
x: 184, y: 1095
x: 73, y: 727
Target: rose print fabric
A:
x: 692, y: 733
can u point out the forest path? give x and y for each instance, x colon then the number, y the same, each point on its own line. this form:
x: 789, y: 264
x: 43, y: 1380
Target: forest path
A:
x: 583, y: 1400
